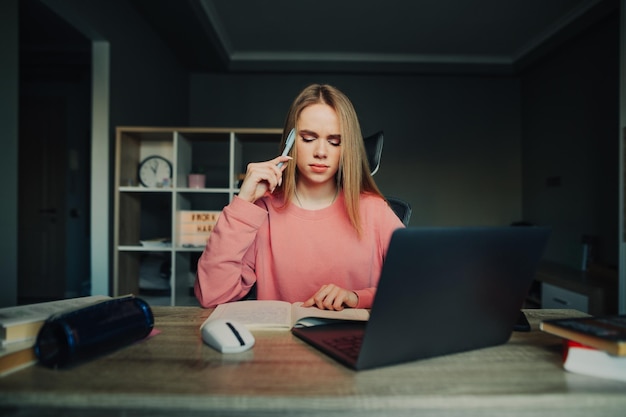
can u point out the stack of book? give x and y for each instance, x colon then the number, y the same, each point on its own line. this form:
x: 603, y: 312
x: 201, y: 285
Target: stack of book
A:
x: 20, y: 325
x: 594, y: 346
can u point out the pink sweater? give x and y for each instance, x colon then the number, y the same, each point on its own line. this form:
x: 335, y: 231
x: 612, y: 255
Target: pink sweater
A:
x: 291, y: 252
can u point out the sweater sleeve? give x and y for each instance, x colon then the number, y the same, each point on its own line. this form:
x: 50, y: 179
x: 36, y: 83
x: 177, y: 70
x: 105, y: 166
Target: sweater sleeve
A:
x: 387, y: 223
x: 223, y: 273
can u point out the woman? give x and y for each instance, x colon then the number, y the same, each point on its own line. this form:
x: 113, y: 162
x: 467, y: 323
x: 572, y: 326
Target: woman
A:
x: 311, y: 226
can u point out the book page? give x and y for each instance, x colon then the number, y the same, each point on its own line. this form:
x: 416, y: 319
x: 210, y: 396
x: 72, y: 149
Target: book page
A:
x: 312, y: 316
x: 256, y: 314
x: 10, y: 316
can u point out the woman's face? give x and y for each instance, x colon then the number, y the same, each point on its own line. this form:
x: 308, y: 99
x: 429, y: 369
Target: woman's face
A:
x: 318, y: 144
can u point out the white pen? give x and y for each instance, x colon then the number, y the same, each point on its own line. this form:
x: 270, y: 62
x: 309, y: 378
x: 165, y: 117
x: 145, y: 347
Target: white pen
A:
x: 288, y: 144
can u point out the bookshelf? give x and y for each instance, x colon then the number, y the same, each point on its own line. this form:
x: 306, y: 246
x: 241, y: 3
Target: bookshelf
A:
x: 149, y: 259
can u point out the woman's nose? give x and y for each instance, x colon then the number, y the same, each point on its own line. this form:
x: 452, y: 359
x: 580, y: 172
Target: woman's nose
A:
x: 320, y: 149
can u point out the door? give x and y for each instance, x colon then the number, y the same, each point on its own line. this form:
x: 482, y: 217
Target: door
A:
x: 41, y: 217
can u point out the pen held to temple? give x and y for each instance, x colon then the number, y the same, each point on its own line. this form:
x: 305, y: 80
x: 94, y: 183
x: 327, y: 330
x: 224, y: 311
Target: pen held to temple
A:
x: 288, y: 144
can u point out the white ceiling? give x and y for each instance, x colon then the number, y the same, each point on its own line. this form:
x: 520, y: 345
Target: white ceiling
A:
x: 363, y: 35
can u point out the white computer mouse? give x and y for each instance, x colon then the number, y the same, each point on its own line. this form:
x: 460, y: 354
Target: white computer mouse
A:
x: 226, y: 336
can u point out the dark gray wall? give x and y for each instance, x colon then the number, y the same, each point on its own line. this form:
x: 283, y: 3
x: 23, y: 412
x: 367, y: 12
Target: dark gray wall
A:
x: 571, y: 134
x: 452, y: 143
x: 148, y: 85
x: 8, y: 156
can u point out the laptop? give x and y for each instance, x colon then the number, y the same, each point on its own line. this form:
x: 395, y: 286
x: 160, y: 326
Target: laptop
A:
x: 441, y: 291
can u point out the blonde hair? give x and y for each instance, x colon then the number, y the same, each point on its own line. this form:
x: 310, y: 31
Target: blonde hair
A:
x: 353, y: 176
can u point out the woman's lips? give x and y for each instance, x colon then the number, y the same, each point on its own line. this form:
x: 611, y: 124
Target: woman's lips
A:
x: 318, y: 168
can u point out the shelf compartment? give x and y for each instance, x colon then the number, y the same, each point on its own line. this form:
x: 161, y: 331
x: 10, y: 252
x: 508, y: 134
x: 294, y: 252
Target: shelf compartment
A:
x: 202, y: 203
x: 134, y: 146
x: 185, y: 273
x: 145, y: 273
x: 208, y: 150
x: 144, y: 217
x: 250, y: 147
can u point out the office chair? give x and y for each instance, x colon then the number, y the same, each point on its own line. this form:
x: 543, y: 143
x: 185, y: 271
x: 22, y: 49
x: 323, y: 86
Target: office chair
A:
x: 374, y: 150
x: 401, y: 208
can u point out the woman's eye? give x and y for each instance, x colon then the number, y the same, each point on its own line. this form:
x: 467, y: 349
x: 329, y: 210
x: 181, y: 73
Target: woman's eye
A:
x: 332, y: 141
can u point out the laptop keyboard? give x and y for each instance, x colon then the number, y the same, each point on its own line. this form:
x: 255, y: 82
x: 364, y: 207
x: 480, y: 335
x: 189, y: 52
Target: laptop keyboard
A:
x: 348, y: 345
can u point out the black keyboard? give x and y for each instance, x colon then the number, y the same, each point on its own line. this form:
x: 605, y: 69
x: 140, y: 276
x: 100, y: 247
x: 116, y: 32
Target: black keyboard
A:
x: 348, y: 345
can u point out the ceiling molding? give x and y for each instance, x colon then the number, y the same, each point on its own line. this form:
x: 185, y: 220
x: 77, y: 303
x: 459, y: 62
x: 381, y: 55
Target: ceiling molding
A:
x: 367, y: 63
x: 235, y: 43
x: 258, y: 56
x: 216, y: 24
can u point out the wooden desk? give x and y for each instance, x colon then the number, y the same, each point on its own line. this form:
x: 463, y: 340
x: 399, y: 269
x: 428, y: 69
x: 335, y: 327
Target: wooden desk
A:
x: 174, y: 374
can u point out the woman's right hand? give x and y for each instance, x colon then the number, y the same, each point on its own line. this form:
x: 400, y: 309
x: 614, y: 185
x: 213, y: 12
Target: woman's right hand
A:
x: 261, y: 177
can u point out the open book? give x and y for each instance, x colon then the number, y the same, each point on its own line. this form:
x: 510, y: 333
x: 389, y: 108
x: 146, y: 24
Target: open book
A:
x: 281, y: 315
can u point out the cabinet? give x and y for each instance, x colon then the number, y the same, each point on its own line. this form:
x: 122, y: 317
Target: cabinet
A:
x: 592, y: 291
x: 148, y: 257
x: 557, y: 297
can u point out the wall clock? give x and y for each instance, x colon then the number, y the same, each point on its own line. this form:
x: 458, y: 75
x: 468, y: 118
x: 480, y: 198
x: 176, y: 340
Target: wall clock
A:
x: 153, y: 170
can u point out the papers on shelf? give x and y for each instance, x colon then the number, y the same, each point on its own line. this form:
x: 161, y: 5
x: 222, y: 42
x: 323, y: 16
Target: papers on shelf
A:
x: 156, y: 243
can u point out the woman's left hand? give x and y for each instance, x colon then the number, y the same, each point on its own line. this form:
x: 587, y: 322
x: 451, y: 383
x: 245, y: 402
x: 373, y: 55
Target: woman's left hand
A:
x: 332, y: 297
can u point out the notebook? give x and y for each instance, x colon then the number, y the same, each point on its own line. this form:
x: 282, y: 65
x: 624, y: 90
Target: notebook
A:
x: 441, y: 291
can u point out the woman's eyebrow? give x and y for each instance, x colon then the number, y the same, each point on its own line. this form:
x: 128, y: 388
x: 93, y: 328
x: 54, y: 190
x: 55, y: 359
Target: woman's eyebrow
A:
x: 307, y: 132
x: 312, y: 133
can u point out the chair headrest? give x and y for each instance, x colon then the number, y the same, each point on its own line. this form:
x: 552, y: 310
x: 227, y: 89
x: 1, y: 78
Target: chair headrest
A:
x: 374, y: 150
